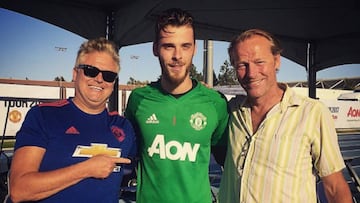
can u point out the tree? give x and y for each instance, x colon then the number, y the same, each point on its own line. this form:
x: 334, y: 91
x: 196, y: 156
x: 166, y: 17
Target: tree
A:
x: 200, y: 77
x: 132, y: 81
x: 194, y: 74
x: 227, y: 75
x: 61, y: 78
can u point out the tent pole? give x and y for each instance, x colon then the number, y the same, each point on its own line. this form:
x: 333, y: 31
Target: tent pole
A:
x: 208, y: 62
x: 311, y: 70
x: 113, y: 104
x: 205, y: 55
x: 209, y: 76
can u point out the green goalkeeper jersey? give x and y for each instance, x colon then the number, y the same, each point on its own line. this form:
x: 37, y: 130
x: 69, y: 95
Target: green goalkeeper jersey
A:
x: 175, y: 137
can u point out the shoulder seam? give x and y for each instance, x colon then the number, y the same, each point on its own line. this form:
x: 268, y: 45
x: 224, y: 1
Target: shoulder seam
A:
x: 58, y: 103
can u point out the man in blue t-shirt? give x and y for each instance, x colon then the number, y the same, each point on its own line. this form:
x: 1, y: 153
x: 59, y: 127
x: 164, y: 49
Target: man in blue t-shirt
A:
x: 71, y: 150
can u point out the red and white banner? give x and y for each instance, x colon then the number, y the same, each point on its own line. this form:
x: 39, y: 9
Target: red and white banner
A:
x: 346, y: 114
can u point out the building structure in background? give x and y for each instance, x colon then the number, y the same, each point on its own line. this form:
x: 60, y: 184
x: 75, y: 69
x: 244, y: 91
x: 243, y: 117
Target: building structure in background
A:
x: 18, y: 96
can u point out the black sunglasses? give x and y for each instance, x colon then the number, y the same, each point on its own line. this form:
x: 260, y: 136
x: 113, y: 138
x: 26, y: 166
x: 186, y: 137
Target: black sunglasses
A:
x: 92, y: 71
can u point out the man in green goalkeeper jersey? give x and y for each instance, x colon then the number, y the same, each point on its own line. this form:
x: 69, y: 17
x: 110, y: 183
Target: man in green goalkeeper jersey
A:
x: 176, y: 119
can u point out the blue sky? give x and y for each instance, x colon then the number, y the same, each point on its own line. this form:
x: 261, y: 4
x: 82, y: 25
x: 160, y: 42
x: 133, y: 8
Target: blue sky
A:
x: 28, y: 50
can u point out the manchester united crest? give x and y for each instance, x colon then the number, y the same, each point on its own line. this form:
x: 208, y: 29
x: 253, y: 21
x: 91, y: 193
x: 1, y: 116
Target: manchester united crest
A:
x: 198, y: 121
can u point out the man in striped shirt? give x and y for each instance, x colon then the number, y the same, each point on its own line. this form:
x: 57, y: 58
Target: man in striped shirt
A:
x: 279, y: 142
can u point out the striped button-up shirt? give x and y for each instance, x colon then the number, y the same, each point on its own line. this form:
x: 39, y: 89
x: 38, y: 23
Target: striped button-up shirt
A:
x: 279, y: 162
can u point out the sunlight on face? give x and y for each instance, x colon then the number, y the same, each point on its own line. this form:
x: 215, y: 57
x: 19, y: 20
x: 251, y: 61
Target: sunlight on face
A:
x: 256, y: 66
x: 91, y: 93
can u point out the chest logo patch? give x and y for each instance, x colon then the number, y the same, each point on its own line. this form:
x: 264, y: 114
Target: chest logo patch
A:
x: 198, y: 121
x: 118, y: 133
x: 152, y: 119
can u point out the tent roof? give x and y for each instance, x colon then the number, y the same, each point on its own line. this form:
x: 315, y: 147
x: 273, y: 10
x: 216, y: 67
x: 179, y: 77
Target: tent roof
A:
x: 331, y: 27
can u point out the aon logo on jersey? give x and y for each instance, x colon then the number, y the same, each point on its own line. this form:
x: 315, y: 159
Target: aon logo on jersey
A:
x: 179, y: 152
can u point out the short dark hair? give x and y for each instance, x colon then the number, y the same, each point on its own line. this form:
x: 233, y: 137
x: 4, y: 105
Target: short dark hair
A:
x: 175, y: 17
x: 275, y: 44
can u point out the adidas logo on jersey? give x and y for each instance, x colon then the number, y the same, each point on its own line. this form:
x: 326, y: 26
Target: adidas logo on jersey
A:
x: 152, y: 119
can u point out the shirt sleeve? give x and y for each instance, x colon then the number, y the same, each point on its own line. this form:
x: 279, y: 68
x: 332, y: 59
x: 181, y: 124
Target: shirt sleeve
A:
x: 220, y: 135
x: 32, y: 131
x: 326, y: 150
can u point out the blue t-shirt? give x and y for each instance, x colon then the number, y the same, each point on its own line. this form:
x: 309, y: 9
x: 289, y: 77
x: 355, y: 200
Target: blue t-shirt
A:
x: 59, y: 127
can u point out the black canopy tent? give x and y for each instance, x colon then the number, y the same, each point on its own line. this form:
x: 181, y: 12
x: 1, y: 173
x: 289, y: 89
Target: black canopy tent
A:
x: 316, y: 34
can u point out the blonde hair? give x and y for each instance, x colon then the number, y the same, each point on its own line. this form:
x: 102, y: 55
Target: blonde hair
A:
x: 100, y: 45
